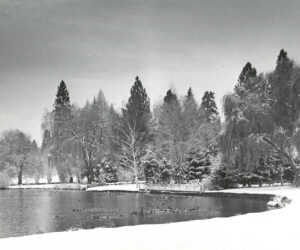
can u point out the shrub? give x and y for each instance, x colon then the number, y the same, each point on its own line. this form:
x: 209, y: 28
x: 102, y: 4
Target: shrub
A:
x: 230, y: 178
x: 226, y: 178
x: 288, y: 174
x: 124, y: 175
x: 165, y: 170
x: 4, y: 181
x: 106, y: 171
x: 249, y: 178
x: 151, y: 167
x: 198, y: 165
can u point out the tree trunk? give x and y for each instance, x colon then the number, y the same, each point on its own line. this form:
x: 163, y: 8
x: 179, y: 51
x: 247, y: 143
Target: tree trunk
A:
x: 296, y: 181
x: 135, y: 167
x: 135, y: 173
x: 78, y: 178
x: 89, y: 179
x: 281, y: 175
x: 91, y: 170
x: 89, y: 167
x: 90, y: 174
x: 50, y: 161
x: 20, y: 174
x: 281, y: 170
x: 135, y: 170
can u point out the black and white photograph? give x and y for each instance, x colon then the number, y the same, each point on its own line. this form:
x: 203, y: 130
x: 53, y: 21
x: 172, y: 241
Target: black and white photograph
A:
x: 149, y: 124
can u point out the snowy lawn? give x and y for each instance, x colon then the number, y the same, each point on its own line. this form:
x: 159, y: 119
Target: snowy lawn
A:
x: 276, y: 229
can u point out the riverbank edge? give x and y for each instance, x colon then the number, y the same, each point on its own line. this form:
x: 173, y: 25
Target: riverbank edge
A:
x: 195, y: 193
x: 231, y: 193
x: 131, y: 188
x: 276, y: 201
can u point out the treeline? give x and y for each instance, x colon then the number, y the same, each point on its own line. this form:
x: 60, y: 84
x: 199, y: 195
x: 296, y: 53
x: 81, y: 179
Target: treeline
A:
x: 177, y: 141
x: 172, y: 143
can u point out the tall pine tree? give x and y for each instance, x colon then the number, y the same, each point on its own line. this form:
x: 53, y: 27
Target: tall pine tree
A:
x: 135, y: 129
x: 190, y: 113
x: 281, y: 90
x: 245, y: 79
x: 62, y: 118
x: 62, y: 109
x: 208, y: 109
x: 172, y: 134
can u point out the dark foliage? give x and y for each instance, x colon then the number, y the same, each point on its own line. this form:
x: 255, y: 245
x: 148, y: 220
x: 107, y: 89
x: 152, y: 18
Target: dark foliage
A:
x: 198, y: 165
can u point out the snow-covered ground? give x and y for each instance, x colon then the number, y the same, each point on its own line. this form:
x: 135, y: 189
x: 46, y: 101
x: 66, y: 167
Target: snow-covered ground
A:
x: 271, y: 230
x: 126, y: 187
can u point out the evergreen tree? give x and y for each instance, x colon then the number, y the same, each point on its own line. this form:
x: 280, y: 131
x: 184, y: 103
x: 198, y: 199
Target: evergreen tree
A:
x: 282, y: 56
x: 171, y: 117
x: 114, y: 121
x: 62, y: 119
x: 208, y: 109
x: 110, y: 172
x: 247, y: 72
x: 190, y: 113
x: 62, y: 109
x: 138, y: 107
x: 172, y: 134
x: 170, y: 97
x: 135, y: 129
x: 150, y: 166
x: 198, y: 165
x: 166, y: 171
x: 106, y: 171
x: 34, y: 146
x: 245, y: 79
x: 281, y: 83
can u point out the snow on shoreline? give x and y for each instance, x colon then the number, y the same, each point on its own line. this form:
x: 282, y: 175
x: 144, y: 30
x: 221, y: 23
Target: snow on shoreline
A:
x: 276, y: 229
x: 126, y: 187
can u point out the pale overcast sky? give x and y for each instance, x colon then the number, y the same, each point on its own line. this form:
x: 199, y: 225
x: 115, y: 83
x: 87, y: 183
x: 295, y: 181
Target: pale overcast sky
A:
x: 95, y: 45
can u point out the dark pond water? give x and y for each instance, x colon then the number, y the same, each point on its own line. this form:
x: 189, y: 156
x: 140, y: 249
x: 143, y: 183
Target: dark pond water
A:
x: 24, y: 212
